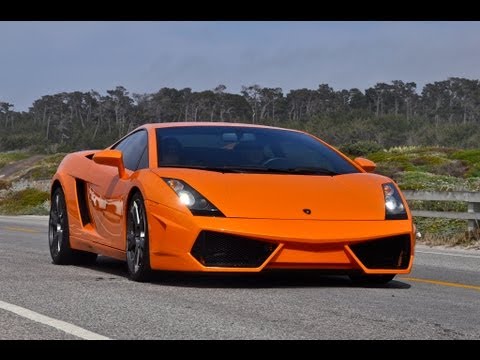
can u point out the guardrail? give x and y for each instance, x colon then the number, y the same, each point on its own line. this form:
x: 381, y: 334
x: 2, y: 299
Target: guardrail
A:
x: 471, y: 198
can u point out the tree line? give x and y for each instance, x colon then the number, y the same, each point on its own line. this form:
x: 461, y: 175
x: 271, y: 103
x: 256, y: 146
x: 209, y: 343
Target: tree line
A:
x: 443, y: 113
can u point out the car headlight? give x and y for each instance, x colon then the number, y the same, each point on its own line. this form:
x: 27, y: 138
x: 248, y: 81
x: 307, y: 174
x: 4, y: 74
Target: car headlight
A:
x: 192, y: 199
x: 394, y: 206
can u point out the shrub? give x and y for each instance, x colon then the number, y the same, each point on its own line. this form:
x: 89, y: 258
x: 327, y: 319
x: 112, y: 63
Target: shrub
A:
x: 9, y: 157
x: 454, y: 168
x: 45, y: 169
x: 4, y: 184
x: 444, y: 232
x: 470, y: 157
x: 361, y: 148
x: 418, y: 180
x: 27, y: 201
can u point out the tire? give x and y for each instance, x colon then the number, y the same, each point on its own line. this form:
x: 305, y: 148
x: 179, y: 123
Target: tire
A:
x: 371, y: 279
x: 59, y: 234
x: 137, y: 247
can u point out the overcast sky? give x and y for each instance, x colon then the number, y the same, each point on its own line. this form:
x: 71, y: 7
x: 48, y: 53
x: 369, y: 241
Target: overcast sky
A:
x: 40, y: 58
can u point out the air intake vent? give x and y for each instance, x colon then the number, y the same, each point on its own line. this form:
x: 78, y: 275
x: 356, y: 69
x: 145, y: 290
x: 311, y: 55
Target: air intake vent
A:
x: 226, y: 250
x: 82, y: 201
x: 386, y: 253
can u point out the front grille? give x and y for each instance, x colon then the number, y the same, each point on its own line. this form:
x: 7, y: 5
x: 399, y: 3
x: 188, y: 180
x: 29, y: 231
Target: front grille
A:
x: 386, y: 253
x: 226, y: 250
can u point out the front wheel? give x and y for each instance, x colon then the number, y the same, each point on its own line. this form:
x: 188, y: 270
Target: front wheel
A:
x: 138, y: 256
x: 371, y: 278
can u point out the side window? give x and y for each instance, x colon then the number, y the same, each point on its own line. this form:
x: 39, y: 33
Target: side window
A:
x: 143, y: 163
x: 134, y: 149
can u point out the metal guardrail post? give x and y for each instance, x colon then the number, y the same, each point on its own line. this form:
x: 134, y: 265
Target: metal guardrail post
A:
x: 473, y: 207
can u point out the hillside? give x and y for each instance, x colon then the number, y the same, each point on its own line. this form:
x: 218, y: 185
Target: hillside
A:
x: 25, y: 181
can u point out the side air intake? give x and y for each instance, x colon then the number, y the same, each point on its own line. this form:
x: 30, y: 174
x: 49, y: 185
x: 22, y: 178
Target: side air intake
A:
x: 81, y: 187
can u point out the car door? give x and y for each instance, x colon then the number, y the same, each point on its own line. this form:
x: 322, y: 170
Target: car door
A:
x: 108, y: 192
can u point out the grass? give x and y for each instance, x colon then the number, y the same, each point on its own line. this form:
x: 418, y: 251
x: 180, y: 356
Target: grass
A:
x: 439, y: 161
x: 472, y: 159
x: 455, y: 206
x: 456, y: 239
x: 45, y: 169
x: 419, y: 180
x: 28, y: 201
x: 9, y: 157
x: 4, y: 184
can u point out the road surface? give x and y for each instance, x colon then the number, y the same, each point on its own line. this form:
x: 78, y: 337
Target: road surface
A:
x: 440, y: 299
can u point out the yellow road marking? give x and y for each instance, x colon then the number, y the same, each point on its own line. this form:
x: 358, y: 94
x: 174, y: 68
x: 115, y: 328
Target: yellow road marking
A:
x: 20, y: 229
x: 443, y: 283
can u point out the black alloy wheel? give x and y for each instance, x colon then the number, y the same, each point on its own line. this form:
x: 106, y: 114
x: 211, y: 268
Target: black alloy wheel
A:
x: 138, y: 259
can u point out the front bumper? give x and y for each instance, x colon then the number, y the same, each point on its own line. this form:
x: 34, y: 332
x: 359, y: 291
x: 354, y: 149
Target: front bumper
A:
x: 175, y: 237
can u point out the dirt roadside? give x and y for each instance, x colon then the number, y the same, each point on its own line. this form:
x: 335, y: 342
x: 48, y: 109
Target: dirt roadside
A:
x: 10, y: 170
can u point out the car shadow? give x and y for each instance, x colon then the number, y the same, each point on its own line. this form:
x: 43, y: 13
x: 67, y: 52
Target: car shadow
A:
x: 265, y: 279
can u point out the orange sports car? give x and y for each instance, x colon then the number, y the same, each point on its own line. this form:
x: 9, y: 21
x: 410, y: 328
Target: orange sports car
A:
x: 227, y: 197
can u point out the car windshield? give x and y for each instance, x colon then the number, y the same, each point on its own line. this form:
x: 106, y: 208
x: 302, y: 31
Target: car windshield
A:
x: 247, y: 149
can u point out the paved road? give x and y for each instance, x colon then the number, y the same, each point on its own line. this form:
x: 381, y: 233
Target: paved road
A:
x: 38, y: 300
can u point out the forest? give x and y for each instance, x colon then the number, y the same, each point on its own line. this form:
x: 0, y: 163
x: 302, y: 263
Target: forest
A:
x: 443, y: 113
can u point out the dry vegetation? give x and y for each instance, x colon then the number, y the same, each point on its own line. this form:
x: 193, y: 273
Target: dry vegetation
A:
x: 24, y: 182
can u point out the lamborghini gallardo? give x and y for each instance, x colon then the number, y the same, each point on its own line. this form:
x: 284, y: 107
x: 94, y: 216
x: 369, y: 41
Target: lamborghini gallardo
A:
x: 229, y: 197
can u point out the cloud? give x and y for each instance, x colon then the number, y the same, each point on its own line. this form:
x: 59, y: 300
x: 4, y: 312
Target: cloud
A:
x: 40, y: 58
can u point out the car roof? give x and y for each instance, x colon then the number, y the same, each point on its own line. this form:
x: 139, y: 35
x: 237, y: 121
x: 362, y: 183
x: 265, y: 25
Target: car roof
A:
x: 202, y: 123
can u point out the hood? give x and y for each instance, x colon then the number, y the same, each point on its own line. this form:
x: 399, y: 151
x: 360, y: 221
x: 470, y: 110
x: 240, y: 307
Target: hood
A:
x: 278, y: 196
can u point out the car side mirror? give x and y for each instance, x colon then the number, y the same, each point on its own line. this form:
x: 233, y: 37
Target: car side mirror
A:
x: 111, y: 158
x: 365, y: 164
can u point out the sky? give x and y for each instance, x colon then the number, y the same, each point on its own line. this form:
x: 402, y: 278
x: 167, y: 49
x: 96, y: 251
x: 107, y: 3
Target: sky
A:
x: 43, y: 58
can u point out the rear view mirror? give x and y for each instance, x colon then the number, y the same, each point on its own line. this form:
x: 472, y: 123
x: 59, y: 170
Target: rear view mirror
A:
x: 365, y: 164
x: 111, y: 158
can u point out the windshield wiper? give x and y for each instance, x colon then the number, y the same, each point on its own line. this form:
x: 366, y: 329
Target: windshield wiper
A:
x: 259, y: 169
x: 296, y: 171
x: 207, y: 168
x: 311, y: 171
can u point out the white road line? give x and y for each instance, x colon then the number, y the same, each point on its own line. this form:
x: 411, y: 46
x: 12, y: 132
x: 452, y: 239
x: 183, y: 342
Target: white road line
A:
x: 447, y: 254
x: 57, y: 324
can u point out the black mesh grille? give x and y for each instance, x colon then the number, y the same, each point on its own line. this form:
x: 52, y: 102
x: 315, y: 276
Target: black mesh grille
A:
x: 225, y: 250
x: 386, y: 253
